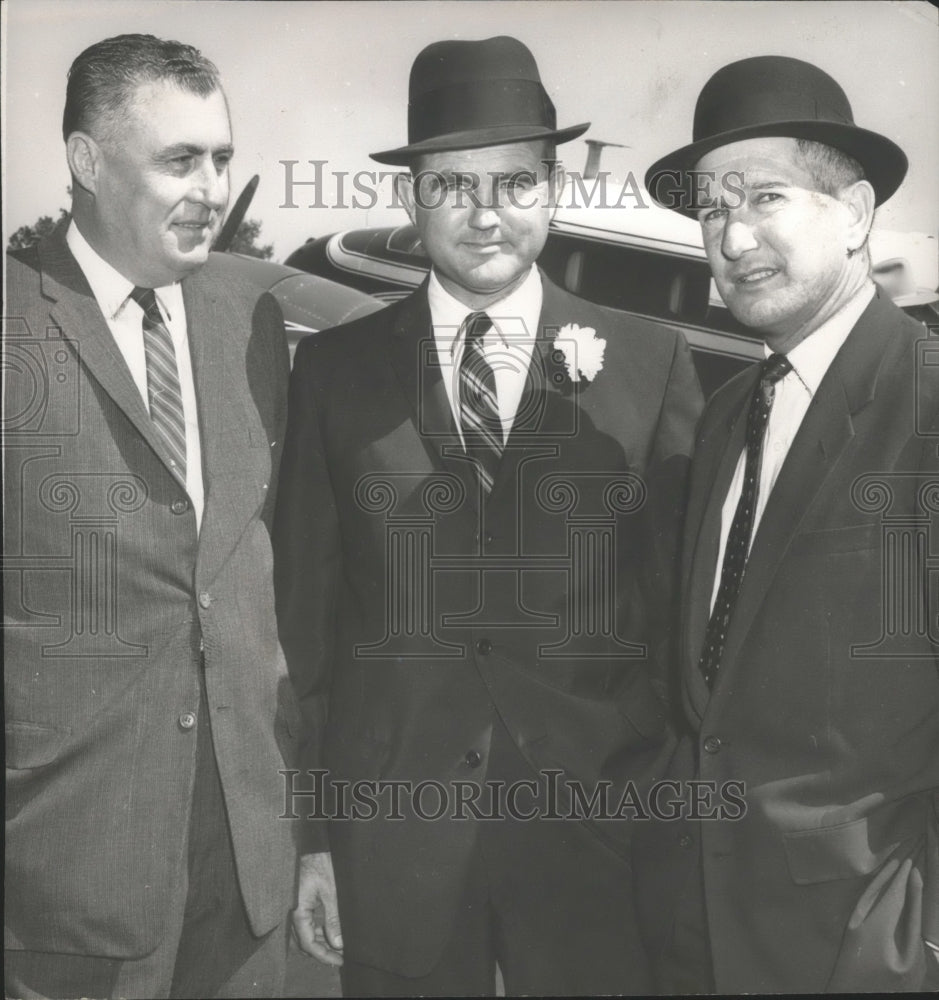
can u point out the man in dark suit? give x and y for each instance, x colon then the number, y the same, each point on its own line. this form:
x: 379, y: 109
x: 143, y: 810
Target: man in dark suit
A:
x: 148, y: 709
x: 808, y: 623
x: 479, y: 492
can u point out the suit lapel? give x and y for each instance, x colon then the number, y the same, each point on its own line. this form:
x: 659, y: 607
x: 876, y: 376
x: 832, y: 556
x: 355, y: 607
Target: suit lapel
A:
x: 828, y: 426
x: 208, y: 367
x: 234, y: 444
x: 715, y: 461
x: 75, y: 311
x: 413, y: 356
x: 544, y: 407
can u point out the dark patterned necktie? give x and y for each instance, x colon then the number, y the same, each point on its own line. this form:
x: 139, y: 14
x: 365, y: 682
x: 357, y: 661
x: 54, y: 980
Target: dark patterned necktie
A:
x: 741, y: 528
x: 163, y: 392
x: 479, y: 405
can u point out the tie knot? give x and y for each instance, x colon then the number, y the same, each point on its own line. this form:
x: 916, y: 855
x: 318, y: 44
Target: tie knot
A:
x: 775, y: 367
x: 477, y: 325
x: 146, y: 299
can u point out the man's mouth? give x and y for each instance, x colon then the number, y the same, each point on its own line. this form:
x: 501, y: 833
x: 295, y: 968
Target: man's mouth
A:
x: 485, y: 248
x: 194, y: 225
x: 755, y: 276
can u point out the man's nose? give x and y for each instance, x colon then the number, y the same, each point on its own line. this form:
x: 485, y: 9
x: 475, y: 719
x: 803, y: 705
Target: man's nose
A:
x: 210, y: 186
x: 739, y: 237
x: 485, y: 207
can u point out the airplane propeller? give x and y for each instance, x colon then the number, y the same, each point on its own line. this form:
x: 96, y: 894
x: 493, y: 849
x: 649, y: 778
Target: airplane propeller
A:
x: 235, y: 217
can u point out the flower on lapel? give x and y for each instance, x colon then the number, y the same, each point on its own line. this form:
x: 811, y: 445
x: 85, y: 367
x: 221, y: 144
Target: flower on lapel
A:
x: 581, y: 349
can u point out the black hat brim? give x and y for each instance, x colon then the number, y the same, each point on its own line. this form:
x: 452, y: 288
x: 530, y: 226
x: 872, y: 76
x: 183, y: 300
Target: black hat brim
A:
x: 500, y: 135
x: 884, y: 163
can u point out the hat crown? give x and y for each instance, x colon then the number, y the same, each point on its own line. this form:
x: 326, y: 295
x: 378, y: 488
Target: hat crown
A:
x: 471, y: 94
x: 767, y: 89
x: 442, y: 64
x: 767, y: 96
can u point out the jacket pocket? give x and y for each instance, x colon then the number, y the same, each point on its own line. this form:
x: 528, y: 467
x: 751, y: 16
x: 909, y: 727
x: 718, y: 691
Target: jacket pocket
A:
x: 30, y: 744
x: 852, y: 538
x: 856, y: 848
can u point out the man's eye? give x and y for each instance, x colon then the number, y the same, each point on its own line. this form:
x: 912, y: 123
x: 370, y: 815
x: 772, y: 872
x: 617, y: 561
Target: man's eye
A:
x: 520, y: 182
x: 222, y: 162
x: 766, y: 197
x: 712, y: 215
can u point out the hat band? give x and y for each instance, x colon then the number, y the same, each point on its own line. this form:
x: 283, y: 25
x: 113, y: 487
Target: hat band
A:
x: 754, y: 108
x: 482, y: 104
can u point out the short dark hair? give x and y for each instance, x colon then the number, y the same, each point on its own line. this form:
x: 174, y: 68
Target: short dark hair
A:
x: 103, y: 79
x: 831, y: 169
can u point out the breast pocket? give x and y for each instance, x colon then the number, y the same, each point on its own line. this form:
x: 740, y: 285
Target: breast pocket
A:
x: 832, y: 541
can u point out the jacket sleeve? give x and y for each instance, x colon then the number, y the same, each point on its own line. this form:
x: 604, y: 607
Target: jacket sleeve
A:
x: 268, y: 366
x: 307, y: 571
x: 667, y: 497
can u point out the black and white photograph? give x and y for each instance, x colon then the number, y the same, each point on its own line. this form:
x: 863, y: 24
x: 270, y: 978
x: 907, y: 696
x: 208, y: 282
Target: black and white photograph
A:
x: 470, y: 497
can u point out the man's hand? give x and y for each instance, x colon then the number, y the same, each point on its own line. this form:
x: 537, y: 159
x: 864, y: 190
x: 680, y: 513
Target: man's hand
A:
x: 318, y: 885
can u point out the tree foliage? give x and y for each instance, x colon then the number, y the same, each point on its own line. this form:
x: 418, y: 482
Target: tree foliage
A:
x: 246, y: 240
x: 26, y: 236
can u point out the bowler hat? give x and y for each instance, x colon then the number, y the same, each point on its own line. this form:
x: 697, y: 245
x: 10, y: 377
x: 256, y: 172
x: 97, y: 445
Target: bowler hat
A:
x: 466, y: 95
x: 774, y: 96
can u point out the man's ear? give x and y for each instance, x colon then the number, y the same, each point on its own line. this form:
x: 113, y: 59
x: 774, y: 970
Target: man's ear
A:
x: 556, y: 186
x: 84, y: 160
x: 859, y: 199
x: 404, y: 189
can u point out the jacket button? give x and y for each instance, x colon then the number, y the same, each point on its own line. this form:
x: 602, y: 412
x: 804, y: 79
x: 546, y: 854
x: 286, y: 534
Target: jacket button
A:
x: 712, y: 744
x: 472, y: 758
x: 205, y: 599
x: 179, y: 506
x: 484, y: 646
x: 186, y: 721
x: 685, y: 841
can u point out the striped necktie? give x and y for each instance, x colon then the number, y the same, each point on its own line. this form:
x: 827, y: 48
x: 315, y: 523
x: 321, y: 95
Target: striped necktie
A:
x: 479, y: 405
x: 163, y: 392
x: 775, y: 367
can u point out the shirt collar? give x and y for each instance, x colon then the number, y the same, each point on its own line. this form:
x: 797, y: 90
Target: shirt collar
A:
x: 515, y: 318
x: 110, y: 288
x: 812, y: 357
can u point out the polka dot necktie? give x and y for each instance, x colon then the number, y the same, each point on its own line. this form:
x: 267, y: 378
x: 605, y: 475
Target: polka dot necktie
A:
x: 163, y: 391
x: 775, y: 367
x: 479, y: 405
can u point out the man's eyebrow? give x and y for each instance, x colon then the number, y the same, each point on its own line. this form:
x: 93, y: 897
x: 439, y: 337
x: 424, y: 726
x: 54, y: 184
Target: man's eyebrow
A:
x: 191, y: 149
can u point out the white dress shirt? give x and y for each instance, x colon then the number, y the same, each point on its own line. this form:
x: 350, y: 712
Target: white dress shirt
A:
x: 810, y: 360
x: 507, y: 346
x: 125, y: 321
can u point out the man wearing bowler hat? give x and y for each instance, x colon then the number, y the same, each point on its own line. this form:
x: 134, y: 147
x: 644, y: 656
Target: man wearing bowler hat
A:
x: 808, y: 614
x: 479, y: 495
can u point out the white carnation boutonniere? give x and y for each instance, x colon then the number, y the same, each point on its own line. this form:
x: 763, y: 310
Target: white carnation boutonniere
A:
x: 582, y: 351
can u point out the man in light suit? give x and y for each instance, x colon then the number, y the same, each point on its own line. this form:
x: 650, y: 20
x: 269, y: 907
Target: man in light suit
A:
x: 148, y: 710
x: 808, y: 621
x: 479, y: 492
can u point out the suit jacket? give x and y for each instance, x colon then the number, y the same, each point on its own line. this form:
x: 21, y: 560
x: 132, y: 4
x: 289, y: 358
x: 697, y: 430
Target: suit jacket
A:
x: 826, y: 705
x: 112, y: 599
x: 416, y: 616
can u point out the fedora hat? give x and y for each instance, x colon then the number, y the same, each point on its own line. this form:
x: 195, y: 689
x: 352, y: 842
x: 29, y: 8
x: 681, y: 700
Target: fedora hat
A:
x: 466, y: 95
x: 774, y: 96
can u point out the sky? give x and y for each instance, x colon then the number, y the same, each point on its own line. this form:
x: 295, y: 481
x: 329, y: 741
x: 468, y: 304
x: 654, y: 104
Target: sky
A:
x: 328, y: 81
